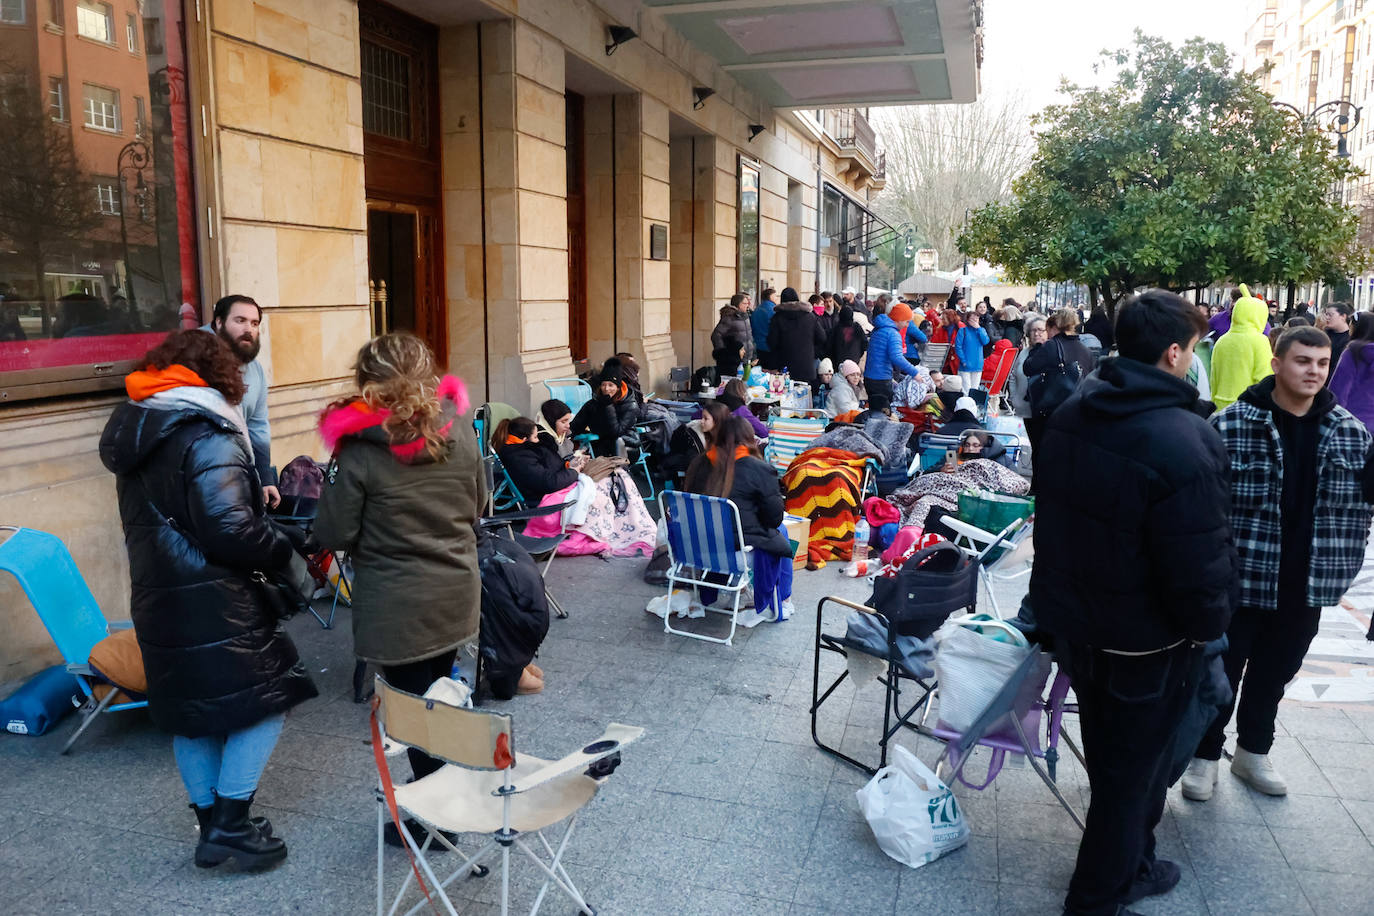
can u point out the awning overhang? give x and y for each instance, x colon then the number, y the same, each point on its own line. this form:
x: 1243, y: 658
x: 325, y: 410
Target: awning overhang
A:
x: 839, y: 53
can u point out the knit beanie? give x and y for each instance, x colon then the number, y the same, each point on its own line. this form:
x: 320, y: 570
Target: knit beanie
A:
x: 899, y: 313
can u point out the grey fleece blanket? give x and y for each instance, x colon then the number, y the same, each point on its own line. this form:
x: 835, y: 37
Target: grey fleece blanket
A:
x: 882, y: 439
x: 892, y: 437
x: 849, y: 439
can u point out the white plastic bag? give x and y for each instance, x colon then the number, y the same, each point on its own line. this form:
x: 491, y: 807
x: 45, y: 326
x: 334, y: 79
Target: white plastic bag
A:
x: 913, y: 815
x: 972, y: 666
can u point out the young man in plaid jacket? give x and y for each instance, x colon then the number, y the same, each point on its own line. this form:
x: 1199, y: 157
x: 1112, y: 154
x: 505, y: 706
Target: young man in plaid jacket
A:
x: 1300, y: 509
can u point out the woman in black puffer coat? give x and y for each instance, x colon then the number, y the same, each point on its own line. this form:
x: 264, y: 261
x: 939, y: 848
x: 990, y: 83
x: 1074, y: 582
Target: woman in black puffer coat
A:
x: 221, y: 670
x: 531, y: 461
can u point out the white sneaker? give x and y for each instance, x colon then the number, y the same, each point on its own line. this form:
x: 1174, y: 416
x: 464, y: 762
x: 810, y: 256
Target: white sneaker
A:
x: 1199, y: 779
x: 786, y: 609
x: 1257, y: 771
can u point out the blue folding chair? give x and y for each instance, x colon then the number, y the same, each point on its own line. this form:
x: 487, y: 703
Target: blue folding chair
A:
x: 50, y: 578
x: 501, y: 490
x: 705, y: 536
x: 574, y: 392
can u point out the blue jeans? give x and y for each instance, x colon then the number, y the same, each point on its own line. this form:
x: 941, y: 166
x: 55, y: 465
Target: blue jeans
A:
x: 229, y: 765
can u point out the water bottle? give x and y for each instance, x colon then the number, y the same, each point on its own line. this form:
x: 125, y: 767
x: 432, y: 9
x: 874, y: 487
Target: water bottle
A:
x: 861, y: 535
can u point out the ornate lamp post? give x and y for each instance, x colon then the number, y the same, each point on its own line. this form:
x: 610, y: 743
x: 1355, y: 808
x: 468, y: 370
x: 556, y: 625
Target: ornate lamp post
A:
x: 1339, y: 117
x: 133, y: 159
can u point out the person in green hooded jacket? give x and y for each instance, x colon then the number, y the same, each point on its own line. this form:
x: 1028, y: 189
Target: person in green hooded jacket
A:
x: 1241, y: 357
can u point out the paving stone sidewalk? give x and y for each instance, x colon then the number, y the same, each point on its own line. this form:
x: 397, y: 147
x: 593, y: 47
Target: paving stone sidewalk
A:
x: 725, y: 807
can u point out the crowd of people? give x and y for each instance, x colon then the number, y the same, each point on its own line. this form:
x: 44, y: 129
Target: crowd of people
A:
x: 1198, y: 474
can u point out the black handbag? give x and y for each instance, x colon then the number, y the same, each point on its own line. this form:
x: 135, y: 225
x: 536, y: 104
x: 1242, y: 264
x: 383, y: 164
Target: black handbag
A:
x: 1051, y: 388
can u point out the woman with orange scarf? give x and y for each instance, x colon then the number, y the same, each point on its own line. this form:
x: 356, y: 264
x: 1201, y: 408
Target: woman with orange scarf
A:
x: 732, y: 469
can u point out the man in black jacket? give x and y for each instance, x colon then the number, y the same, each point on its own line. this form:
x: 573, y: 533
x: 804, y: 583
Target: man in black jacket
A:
x: 1133, y: 490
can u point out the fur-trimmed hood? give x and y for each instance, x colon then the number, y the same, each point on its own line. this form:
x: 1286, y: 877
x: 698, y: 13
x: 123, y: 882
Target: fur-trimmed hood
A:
x: 356, y: 419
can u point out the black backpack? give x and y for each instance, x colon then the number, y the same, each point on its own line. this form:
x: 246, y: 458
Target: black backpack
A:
x: 515, y: 611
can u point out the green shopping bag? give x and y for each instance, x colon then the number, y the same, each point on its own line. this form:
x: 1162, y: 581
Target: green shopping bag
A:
x: 993, y: 511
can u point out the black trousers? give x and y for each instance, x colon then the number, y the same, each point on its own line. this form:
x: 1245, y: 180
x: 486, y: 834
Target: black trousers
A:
x: 1128, y: 708
x: 1266, y: 651
x: 879, y: 393
x: 415, y: 677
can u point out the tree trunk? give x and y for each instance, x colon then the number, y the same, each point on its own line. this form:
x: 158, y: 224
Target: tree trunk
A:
x: 1092, y: 297
x: 1292, y: 296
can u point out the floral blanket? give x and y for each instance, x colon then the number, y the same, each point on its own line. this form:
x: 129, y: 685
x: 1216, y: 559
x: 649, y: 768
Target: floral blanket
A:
x: 923, y: 493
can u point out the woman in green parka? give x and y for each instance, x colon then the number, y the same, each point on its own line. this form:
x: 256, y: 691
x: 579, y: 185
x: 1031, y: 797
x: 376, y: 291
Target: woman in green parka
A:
x: 402, y: 495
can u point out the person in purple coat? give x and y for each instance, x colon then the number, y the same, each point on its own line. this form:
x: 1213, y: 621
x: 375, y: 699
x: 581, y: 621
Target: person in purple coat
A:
x: 1353, y: 381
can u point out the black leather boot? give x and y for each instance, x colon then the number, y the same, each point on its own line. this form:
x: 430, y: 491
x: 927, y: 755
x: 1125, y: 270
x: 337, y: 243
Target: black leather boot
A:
x: 232, y: 835
x: 203, y: 819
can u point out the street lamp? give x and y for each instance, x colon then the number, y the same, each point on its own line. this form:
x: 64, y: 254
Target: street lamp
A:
x: 133, y: 159
x: 1339, y: 117
x: 1343, y: 115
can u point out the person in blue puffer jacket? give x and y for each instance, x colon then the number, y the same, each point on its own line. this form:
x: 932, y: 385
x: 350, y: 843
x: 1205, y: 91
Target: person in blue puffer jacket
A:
x: 968, y: 347
x: 885, y: 357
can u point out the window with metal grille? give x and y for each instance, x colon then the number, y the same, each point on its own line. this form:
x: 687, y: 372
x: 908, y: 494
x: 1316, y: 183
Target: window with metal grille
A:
x: 57, y: 98
x: 95, y: 21
x: 12, y: 12
x: 107, y: 196
x: 102, y: 108
x: 386, y: 91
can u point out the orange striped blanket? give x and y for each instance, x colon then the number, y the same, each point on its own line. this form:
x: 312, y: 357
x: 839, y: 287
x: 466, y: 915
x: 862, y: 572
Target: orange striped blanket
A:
x: 825, y: 485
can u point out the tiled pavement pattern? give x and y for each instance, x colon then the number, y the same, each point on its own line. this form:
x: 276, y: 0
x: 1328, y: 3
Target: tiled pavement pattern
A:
x: 725, y: 807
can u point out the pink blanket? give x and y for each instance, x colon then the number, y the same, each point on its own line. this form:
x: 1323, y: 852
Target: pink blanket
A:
x: 605, y: 531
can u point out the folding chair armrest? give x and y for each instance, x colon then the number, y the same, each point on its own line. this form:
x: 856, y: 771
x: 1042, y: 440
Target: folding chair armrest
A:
x: 115, y: 625
x: 81, y: 668
x: 615, y: 737
x: 852, y: 605
x: 972, y: 532
x: 523, y: 515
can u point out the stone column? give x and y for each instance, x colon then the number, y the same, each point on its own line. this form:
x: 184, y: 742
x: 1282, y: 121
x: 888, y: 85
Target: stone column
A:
x: 505, y: 209
x: 643, y: 289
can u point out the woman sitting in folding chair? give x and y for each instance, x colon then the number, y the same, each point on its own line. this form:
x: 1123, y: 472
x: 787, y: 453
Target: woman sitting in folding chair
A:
x: 732, y: 469
x: 402, y: 495
x: 555, y: 427
x: 533, y: 462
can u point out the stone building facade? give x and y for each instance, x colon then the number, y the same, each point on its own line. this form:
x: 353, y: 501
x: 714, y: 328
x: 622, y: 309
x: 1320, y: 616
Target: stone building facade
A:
x: 501, y: 177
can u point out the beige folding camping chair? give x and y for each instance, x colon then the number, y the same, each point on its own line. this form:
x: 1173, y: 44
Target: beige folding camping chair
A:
x: 485, y: 788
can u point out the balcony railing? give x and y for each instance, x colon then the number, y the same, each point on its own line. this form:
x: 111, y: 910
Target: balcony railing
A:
x: 851, y: 129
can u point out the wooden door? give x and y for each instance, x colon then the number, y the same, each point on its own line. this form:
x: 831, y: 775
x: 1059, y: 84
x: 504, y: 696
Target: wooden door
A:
x: 401, y: 162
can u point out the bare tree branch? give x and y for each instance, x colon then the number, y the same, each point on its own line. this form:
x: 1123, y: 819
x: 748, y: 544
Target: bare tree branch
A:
x: 944, y: 159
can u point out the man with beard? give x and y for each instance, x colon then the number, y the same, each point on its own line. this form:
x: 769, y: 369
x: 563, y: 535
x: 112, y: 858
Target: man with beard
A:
x: 236, y: 320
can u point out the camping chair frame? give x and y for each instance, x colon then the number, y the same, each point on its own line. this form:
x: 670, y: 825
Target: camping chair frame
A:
x: 1009, y: 705
x: 473, y: 742
x: 894, y: 716
x: 342, y: 589
x: 535, y: 546
x: 975, y: 541
x: 69, y: 612
x: 708, y: 547
x: 783, y: 447
x: 502, y: 493
x: 934, y: 355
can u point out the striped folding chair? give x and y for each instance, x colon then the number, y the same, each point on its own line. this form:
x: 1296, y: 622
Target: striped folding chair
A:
x: 790, y: 433
x: 705, y: 536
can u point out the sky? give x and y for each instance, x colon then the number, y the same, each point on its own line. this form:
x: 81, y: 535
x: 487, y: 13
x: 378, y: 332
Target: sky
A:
x: 1029, y: 44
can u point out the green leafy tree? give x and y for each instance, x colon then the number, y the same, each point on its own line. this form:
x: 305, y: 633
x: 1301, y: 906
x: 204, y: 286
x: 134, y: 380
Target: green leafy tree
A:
x: 1177, y: 174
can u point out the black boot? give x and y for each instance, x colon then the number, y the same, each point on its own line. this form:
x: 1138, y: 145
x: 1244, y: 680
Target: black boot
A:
x: 232, y: 835
x: 203, y: 819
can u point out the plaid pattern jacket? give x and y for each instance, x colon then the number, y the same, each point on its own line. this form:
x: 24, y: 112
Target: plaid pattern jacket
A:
x: 1341, y: 525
